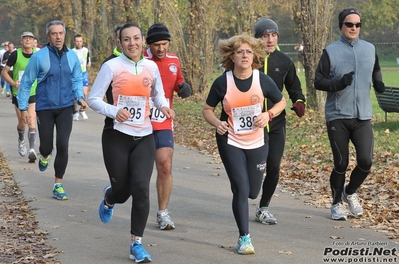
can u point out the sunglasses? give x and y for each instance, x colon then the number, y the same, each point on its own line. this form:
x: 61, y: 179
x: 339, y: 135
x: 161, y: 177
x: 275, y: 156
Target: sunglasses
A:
x: 350, y: 24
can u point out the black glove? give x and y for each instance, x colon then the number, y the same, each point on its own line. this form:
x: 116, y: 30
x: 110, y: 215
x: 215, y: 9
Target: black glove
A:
x: 379, y: 86
x: 184, y: 91
x: 346, y: 80
x: 299, y: 108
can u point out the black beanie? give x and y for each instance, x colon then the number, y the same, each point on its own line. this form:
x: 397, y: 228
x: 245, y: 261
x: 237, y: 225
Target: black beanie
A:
x: 156, y: 33
x: 344, y: 13
x: 265, y: 26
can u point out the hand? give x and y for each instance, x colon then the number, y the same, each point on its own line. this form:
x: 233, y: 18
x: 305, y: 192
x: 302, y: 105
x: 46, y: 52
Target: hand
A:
x: 122, y: 115
x: 262, y: 120
x: 185, y: 90
x: 83, y: 105
x: 222, y: 127
x: 299, y: 108
x: 347, y: 79
x: 169, y: 113
x: 379, y: 86
x: 25, y: 117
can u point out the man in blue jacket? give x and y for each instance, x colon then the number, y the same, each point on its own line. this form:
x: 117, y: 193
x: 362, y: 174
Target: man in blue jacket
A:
x: 59, y: 82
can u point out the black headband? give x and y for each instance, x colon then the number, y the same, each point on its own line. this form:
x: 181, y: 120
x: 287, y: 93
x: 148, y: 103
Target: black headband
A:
x: 344, y: 13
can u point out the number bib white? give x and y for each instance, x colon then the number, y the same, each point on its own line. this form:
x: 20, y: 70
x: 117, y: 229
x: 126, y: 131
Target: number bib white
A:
x: 156, y: 114
x: 136, y: 107
x: 243, y: 118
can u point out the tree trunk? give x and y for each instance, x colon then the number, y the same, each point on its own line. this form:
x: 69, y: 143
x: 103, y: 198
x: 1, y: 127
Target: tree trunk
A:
x: 76, y: 16
x: 313, y: 18
x: 198, y: 61
x: 88, y: 25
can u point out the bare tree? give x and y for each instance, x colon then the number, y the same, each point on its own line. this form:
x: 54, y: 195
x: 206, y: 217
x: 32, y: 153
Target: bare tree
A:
x: 193, y: 37
x: 313, y: 18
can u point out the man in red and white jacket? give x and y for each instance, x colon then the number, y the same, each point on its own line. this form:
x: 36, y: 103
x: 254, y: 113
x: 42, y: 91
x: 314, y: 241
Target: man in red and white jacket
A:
x: 158, y: 39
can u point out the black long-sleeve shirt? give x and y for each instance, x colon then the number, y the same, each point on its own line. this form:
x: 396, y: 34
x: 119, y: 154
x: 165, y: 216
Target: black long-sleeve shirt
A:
x: 283, y: 72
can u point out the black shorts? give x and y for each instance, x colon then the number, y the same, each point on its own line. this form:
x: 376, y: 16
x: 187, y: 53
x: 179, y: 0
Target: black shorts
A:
x: 32, y: 100
x: 300, y: 56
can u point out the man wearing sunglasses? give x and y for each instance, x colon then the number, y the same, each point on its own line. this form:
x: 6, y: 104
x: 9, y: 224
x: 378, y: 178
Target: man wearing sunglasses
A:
x: 347, y: 69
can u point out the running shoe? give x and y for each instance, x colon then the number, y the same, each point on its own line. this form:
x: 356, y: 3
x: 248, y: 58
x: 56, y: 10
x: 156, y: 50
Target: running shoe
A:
x: 3, y: 90
x: 138, y: 253
x: 338, y: 212
x: 264, y: 216
x: 21, y: 148
x: 244, y: 245
x: 84, y: 115
x: 59, y: 193
x: 32, y: 156
x: 353, y: 201
x: 8, y: 94
x: 43, y: 162
x: 163, y: 220
x: 76, y: 116
x: 104, y: 211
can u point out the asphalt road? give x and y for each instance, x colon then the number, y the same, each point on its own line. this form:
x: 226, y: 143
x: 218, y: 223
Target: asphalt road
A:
x: 200, y: 206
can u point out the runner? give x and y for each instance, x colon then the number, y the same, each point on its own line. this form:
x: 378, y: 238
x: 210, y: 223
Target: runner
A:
x: 59, y: 83
x: 18, y: 60
x: 127, y: 140
x: 158, y: 38
x: 241, y: 133
x: 85, y: 63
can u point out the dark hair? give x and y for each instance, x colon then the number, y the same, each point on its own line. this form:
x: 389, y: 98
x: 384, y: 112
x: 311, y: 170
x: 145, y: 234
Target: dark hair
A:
x: 117, y: 28
x: 129, y: 25
x: 77, y: 36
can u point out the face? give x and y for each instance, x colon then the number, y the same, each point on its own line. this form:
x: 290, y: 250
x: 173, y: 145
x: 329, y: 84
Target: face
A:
x: 350, y: 31
x: 243, y: 57
x: 79, y: 42
x: 159, y: 48
x: 27, y: 42
x: 56, y: 36
x: 6, y: 46
x: 132, y: 43
x: 34, y: 43
x: 270, y: 40
x: 10, y: 46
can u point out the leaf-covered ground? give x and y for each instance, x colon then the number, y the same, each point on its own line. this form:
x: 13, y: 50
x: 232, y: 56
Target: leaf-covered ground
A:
x: 21, y: 240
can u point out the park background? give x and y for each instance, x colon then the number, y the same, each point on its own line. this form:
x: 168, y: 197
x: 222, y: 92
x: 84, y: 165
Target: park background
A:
x: 197, y: 25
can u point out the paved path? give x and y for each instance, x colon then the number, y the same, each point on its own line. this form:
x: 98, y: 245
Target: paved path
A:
x: 200, y: 206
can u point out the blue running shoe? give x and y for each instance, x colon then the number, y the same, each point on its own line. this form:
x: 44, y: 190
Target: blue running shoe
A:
x: 43, y: 163
x: 244, y: 245
x: 59, y: 193
x: 104, y: 211
x: 138, y: 253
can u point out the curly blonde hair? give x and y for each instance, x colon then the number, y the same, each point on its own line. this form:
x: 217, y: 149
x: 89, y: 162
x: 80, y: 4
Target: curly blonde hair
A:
x: 227, y: 47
